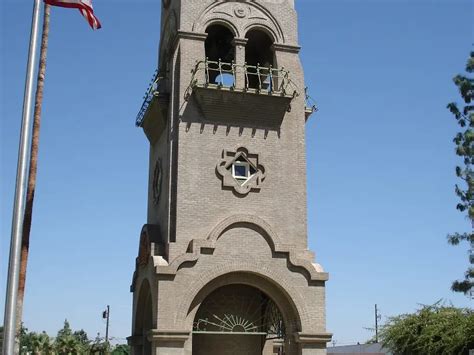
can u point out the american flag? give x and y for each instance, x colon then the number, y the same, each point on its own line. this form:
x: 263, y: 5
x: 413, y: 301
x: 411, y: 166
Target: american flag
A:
x: 84, y: 6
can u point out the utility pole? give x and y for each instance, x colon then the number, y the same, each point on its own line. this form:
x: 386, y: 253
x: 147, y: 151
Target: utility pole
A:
x: 377, y: 317
x: 106, y: 315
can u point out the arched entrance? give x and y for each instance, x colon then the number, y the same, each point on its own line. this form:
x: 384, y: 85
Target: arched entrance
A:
x: 144, y: 320
x: 238, y: 319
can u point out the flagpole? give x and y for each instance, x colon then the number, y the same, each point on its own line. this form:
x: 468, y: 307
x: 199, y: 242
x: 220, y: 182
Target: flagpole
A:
x: 9, y: 331
x: 33, y: 166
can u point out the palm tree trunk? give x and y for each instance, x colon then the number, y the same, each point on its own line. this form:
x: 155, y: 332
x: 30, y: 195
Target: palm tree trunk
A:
x: 30, y: 192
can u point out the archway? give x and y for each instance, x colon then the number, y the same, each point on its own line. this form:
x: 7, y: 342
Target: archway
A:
x: 259, y: 53
x: 220, y: 53
x: 238, y: 319
x: 144, y: 319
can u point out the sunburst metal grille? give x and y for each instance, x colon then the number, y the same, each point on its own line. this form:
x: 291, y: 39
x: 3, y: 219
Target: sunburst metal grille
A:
x: 240, y: 310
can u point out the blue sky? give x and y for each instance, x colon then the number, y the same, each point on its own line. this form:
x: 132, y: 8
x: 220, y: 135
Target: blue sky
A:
x: 380, y: 156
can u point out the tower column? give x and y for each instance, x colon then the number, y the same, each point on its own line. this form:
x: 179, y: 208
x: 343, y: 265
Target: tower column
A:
x: 239, y: 44
x: 168, y: 342
x: 312, y: 344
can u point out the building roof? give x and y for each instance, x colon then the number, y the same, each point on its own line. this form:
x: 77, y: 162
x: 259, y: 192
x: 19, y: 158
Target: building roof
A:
x: 359, y: 349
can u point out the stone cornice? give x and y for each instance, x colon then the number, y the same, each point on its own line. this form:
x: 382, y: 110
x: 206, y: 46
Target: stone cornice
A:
x: 168, y: 336
x: 192, y: 35
x: 286, y: 48
x: 240, y: 41
x: 316, y: 338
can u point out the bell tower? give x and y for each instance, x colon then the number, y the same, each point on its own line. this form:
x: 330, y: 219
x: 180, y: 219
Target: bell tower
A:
x: 223, y: 266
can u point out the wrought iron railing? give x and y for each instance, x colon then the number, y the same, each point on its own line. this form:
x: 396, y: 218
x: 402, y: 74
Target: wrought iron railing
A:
x: 218, y: 74
x: 150, y: 92
x: 252, y: 78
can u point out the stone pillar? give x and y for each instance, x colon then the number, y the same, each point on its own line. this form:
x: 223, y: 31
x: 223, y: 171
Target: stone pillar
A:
x: 169, y: 342
x: 312, y: 344
x: 239, y: 45
x: 136, y: 344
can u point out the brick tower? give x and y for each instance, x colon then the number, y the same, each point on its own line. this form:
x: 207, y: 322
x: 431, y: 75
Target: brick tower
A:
x: 223, y: 266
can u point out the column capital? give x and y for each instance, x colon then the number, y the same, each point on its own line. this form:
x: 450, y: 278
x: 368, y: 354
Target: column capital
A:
x: 286, y: 48
x: 192, y: 35
x: 168, y: 336
x: 314, y: 338
x: 240, y: 41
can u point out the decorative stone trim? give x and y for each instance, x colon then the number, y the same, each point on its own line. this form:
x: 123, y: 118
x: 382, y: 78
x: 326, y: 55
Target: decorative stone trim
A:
x: 168, y: 336
x: 240, y: 41
x: 240, y: 17
x: 192, y: 35
x: 224, y: 169
x: 286, y: 48
x: 156, y: 185
x: 318, y: 338
x: 297, y: 258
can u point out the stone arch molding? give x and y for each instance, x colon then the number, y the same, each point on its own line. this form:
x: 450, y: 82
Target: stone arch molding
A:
x: 289, y: 301
x: 302, y: 261
x: 240, y: 17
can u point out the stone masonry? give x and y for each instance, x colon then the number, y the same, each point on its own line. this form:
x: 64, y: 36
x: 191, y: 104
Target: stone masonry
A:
x: 227, y: 188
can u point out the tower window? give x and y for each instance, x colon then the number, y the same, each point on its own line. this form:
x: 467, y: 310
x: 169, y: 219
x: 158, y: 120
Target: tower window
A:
x: 242, y: 170
x: 219, y: 47
x: 258, y: 51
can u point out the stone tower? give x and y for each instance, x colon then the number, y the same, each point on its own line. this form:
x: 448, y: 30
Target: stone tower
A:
x: 223, y: 266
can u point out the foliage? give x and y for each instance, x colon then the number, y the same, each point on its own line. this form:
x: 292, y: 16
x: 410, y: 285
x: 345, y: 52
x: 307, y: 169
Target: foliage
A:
x: 99, y: 346
x: 121, y: 349
x: 67, y: 342
x: 1, y: 336
x: 436, y: 329
x: 464, y: 141
x: 35, y: 343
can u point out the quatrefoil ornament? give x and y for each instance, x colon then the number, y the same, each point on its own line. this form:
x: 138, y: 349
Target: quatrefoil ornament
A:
x: 241, y: 171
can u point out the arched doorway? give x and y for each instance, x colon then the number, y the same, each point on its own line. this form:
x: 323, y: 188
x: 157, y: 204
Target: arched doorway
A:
x: 144, y: 319
x: 238, y: 319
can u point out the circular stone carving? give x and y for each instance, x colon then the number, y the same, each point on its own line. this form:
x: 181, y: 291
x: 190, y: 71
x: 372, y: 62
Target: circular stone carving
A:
x: 240, y: 11
x: 157, y: 177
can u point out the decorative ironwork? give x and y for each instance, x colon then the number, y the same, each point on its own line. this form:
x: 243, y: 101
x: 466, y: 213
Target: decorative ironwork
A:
x: 240, y: 313
x: 258, y: 79
x: 151, y: 92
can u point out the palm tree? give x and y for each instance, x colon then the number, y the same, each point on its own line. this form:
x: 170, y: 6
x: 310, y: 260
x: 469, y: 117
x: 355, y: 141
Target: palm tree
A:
x: 30, y: 193
x: 45, y: 345
x: 68, y: 345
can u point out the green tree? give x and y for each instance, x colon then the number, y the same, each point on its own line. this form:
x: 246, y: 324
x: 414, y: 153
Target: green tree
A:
x: 121, y: 349
x: 99, y: 346
x: 1, y: 337
x: 69, y: 343
x: 436, y: 329
x: 464, y: 141
x: 46, y: 344
x: 81, y: 337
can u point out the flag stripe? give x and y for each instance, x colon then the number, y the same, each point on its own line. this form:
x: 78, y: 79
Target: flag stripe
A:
x: 84, y: 6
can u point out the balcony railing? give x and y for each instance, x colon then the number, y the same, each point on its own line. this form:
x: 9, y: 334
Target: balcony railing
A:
x: 150, y: 92
x: 233, y: 77
x: 243, y: 77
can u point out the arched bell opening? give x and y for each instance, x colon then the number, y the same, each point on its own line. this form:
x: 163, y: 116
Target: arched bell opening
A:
x: 220, y: 54
x: 144, y: 320
x: 260, y: 58
x: 239, y: 319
